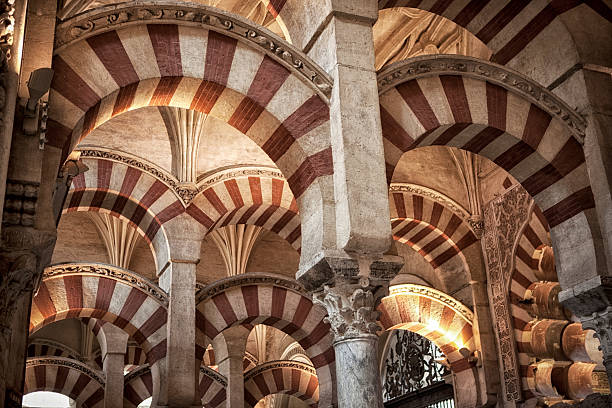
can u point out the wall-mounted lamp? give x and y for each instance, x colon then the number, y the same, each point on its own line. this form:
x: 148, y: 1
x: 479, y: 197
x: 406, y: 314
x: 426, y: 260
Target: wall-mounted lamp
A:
x: 35, y: 114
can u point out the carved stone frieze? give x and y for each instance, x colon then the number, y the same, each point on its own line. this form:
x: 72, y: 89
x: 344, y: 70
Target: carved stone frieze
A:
x: 7, y: 27
x: 249, y: 279
x: 434, y: 294
x: 185, y: 192
x: 351, y: 306
x: 110, y: 271
x: 137, y: 372
x: 165, y: 12
x: 70, y: 363
x: 419, y: 67
x: 278, y: 364
x: 505, y: 218
x: 214, y: 375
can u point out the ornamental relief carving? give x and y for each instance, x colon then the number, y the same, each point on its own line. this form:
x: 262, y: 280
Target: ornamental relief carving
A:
x: 438, y: 296
x: 419, y: 67
x: 137, y: 372
x: 113, y: 17
x: 214, y: 375
x: 505, y: 218
x: 67, y: 362
x: 109, y: 271
x: 279, y: 364
x: 185, y: 193
x: 249, y: 279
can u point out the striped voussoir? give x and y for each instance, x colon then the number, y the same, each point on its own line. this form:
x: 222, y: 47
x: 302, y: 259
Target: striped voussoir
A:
x: 257, y: 200
x: 533, y: 237
x: 272, y: 300
x: 431, y: 229
x: 134, y: 356
x: 50, y: 348
x: 190, y: 67
x: 473, y: 113
x: 137, y: 387
x: 505, y: 26
x: 211, y: 387
x: 434, y: 315
x: 107, y: 298
x: 65, y: 376
x: 281, y: 377
x: 125, y: 192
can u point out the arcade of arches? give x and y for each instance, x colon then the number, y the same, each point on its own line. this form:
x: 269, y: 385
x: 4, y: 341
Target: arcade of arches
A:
x: 306, y: 203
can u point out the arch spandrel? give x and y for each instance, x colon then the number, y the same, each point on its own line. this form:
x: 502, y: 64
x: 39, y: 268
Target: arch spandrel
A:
x: 492, y: 111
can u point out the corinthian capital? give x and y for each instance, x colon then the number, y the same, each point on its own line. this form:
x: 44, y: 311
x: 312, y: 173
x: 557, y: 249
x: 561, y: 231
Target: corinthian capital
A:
x: 601, y: 323
x: 351, y: 306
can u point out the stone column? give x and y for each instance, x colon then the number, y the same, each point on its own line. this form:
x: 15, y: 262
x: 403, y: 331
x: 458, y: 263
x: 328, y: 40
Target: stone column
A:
x: 113, y: 342
x: 179, y: 372
x: 230, y: 347
x: 351, y: 299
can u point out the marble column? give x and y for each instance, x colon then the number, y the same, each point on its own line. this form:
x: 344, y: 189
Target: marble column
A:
x: 351, y: 307
x: 113, y: 342
x: 230, y: 347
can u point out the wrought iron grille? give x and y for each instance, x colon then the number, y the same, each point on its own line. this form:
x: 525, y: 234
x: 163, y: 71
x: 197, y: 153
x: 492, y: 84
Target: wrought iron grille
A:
x: 411, y: 368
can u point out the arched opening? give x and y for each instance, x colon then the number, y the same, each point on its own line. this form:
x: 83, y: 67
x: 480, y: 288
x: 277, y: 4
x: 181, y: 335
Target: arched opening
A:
x: 415, y: 373
x: 47, y: 399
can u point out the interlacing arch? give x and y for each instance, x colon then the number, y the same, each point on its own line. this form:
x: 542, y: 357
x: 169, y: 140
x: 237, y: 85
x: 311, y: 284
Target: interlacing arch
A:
x: 438, y: 233
x: 441, y: 319
x: 474, y: 105
x: 281, y: 377
x: 273, y: 300
x: 65, y: 376
x: 108, y: 293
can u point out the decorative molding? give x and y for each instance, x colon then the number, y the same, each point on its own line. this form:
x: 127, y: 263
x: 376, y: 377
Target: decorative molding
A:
x: 7, y: 28
x: 270, y: 365
x: 235, y: 243
x: 351, y: 307
x: 419, y: 67
x: 137, y: 372
x: 185, y: 192
x: 99, y: 269
x: 51, y: 343
x: 249, y: 279
x: 505, y: 218
x: 70, y: 363
x: 435, y: 295
x: 113, y: 17
x: 20, y: 203
x: 214, y: 375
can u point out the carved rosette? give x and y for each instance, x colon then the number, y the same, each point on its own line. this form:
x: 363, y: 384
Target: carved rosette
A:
x: 351, y: 307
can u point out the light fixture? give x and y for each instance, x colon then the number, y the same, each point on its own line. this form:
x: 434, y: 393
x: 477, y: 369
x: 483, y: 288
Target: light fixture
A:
x: 38, y: 85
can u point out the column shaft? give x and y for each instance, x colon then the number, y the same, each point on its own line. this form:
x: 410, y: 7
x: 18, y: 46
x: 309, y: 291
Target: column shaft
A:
x: 113, y: 369
x: 357, y: 373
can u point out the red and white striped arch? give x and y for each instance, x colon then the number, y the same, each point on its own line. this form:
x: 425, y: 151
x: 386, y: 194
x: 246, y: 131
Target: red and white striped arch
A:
x: 137, y: 387
x: 257, y: 200
x: 433, y: 230
x: 190, y: 67
x: 281, y: 377
x: 507, y: 27
x: 212, y: 388
x: 486, y: 118
x: 134, y: 354
x: 65, y: 376
x: 275, y: 301
x: 48, y: 348
x: 441, y: 319
x: 86, y: 294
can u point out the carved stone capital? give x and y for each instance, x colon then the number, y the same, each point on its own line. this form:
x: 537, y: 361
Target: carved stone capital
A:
x: 351, y: 306
x: 588, y: 297
x: 601, y: 323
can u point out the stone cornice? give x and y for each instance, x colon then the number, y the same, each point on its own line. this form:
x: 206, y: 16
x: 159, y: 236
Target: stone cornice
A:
x: 112, y: 17
x: 108, y: 271
x: 278, y: 364
x: 142, y: 370
x: 220, y: 378
x: 435, y: 295
x: 186, y: 193
x: 475, y: 225
x: 67, y: 362
x: 430, y: 65
x: 249, y: 279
